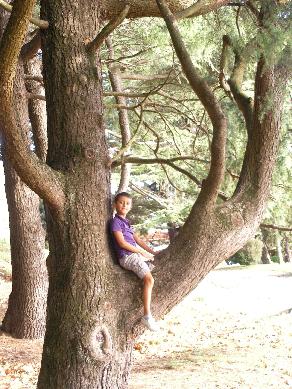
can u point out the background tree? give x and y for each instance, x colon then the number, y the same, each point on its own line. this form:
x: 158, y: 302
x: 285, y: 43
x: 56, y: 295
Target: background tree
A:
x: 90, y: 327
x: 25, y: 315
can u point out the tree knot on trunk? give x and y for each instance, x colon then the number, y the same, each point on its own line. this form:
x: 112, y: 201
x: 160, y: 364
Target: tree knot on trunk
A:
x: 100, y: 342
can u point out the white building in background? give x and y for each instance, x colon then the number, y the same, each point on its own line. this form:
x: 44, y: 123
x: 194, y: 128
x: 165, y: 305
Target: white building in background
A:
x: 4, y: 217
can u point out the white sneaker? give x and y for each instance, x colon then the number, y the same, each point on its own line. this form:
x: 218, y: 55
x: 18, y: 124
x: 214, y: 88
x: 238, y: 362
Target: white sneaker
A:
x: 150, y: 323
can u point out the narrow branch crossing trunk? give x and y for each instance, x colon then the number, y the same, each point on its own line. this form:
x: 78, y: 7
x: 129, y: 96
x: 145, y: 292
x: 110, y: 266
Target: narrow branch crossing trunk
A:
x: 117, y: 86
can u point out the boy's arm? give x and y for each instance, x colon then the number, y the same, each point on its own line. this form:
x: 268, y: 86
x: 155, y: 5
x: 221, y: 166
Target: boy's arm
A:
x: 127, y: 246
x: 142, y: 244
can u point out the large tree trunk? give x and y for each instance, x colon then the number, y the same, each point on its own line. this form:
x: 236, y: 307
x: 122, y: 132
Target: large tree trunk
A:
x: 26, y: 312
x: 82, y: 347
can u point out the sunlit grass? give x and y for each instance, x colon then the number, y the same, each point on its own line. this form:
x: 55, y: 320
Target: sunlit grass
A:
x: 5, y: 259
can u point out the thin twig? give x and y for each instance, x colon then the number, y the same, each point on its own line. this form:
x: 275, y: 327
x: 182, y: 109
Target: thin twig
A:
x: 110, y: 27
x: 128, y: 145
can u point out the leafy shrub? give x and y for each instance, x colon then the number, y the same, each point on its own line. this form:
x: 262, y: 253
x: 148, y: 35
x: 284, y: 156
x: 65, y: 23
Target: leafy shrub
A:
x: 251, y: 253
x: 275, y: 259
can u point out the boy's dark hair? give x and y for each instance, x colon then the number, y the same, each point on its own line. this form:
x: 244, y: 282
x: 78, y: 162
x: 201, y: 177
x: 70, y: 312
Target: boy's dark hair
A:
x: 124, y: 194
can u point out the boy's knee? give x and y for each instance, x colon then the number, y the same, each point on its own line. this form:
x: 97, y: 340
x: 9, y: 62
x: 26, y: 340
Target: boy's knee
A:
x: 148, y: 279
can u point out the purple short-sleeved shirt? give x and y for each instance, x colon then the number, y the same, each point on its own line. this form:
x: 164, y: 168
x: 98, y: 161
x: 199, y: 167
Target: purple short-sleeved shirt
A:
x: 119, y: 223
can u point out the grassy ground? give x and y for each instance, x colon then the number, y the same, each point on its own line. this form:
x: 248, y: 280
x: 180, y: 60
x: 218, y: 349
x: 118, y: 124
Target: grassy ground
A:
x: 233, y: 331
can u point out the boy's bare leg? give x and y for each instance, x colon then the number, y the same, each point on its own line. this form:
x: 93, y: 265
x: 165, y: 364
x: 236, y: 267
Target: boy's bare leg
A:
x: 147, y: 291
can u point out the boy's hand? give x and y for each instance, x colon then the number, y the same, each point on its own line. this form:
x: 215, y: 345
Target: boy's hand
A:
x: 148, y: 256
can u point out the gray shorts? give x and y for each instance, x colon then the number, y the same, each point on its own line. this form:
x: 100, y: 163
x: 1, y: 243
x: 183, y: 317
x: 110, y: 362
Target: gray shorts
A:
x: 135, y: 262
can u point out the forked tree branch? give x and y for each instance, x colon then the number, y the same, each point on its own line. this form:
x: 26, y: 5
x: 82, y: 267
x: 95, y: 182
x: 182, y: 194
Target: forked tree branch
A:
x: 37, y: 22
x: 261, y: 151
x: 208, y: 99
x: 46, y: 182
x: 234, y: 83
x: 244, y: 103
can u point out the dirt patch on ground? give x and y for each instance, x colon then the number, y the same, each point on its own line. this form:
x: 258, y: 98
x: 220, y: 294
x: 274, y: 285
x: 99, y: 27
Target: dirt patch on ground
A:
x: 233, y: 331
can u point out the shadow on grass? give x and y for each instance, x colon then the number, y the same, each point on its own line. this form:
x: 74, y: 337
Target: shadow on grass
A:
x: 188, y: 360
x: 286, y: 275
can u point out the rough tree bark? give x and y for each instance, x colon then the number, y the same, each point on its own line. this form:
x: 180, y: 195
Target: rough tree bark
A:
x: 26, y: 313
x: 93, y: 305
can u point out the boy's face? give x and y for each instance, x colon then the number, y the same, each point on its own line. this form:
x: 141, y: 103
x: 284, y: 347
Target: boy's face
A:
x: 123, y: 205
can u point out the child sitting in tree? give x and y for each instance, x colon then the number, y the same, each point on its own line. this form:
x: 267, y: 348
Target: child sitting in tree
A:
x: 133, y: 253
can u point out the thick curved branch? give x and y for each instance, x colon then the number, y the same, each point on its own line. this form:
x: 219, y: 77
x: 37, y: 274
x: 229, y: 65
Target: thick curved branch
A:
x: 146, y: 8
x: 201, y: 88
x: 261, y: 151
x: 263, y: 139
x: 37, y: 22
x: 36, y: 174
